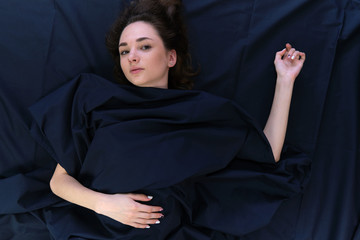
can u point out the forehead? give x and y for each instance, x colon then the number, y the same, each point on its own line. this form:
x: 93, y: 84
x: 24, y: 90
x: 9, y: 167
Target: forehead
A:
x: 137, y: 30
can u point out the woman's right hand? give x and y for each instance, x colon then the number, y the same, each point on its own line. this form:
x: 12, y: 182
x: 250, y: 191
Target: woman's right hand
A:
x: 126, y: 209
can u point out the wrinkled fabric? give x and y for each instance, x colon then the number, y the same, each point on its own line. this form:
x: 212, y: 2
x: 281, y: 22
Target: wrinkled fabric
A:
x: 201, y: 153
x: 44, y: 44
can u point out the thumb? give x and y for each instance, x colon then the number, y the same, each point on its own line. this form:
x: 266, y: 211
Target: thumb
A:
x: 280, y: 54
x: 140, y: 197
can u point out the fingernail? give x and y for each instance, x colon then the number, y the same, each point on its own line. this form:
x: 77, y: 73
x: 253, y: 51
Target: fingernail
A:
x: 147, y: 226
x: 157, y: 222
x: 150, y: 197
x: 162, y: 216
x: 293, y: 57
x: 161, y: 209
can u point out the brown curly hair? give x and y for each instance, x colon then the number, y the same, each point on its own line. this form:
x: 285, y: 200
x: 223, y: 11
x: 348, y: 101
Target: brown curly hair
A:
x: 166, y: 17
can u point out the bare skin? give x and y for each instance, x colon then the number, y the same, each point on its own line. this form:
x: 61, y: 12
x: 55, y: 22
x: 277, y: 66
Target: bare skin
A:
x: 288, y: 63
x: 129, y: 208
x: 145, y: 62
x: 124, y: 208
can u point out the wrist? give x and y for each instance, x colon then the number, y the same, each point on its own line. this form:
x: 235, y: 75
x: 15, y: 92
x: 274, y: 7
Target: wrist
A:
x: 100, y: 202
x: 285, y: 81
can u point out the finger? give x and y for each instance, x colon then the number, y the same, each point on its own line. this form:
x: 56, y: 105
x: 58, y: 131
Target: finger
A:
x: 139, y: 225
x: 287, y: 49
x: 149, y: 209
x: 145, y: 215
x: 288, y: 46
x: 291, y: 52
x: 280, y: 54
x: 295, y: 55
x: 140, y: 197
x: 302, y: 56
x: 147, y: 221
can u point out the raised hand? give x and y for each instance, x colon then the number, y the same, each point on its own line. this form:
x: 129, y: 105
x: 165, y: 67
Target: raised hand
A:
x: 126, y: 209
x: 288, y: 63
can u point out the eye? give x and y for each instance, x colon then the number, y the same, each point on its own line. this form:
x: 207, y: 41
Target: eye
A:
x: 124, y: 52
x: 145, y: 47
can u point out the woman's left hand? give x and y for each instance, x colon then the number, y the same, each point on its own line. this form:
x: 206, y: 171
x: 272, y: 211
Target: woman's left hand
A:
x: 288, y: 63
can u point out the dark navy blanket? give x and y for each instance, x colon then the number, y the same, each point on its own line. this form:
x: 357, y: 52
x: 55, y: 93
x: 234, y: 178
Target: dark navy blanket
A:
x: 45, y: 44
x: 202, y: 157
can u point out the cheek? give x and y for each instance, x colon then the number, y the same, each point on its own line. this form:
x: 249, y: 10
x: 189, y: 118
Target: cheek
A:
x: 160, y: 60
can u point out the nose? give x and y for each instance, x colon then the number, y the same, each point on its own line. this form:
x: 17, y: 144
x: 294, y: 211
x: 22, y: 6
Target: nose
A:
x: 133, y: 57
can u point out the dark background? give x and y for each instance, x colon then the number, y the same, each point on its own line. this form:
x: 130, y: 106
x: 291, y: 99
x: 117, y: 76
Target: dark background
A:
x: 43, y: 44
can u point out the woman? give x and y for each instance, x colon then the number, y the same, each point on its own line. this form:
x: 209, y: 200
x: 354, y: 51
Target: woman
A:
x: 150, y: 49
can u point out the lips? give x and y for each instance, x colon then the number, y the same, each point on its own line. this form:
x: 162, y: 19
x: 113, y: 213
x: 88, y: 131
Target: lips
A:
x: 136, y: 70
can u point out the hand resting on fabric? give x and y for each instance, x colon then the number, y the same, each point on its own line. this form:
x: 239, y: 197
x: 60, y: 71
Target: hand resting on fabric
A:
x: 128, y: 209
x: 123, y: 208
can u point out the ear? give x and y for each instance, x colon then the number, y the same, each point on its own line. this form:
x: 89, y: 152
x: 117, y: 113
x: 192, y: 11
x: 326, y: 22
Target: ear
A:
x: 172, y: 58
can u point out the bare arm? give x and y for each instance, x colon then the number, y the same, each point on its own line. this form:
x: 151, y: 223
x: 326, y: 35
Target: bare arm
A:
x: 120, y: 207
x: 288, y: 63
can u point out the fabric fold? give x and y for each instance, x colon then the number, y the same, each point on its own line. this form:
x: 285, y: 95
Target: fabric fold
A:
x: 200, y: 152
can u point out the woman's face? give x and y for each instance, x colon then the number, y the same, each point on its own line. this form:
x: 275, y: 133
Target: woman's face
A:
x: 143, y: 57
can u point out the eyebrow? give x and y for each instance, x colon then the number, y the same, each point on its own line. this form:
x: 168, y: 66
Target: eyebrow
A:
x: 137, y: 40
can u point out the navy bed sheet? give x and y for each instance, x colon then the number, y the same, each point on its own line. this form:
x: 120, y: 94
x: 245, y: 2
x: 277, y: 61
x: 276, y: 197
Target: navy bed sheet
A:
x: 44, y: 44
